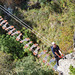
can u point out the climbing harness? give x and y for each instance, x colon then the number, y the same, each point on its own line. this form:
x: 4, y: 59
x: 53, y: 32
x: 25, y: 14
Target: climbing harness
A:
x: 26, y: 46
x: 17, y: 32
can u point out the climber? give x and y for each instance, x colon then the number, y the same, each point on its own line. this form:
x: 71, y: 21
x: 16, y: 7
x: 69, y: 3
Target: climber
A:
x: 56, y: 52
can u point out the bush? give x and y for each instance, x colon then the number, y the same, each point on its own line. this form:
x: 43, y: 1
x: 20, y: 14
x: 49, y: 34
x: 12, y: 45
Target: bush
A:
x: 6, y: 64
x: 53, y: 24
x: 72, y: 70
x: 27, y: 66
x: 9, y: 44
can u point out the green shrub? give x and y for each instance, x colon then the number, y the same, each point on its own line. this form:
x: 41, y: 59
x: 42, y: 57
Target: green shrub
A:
x: 6, y: 64
x: 27, y: 66
x: 72, y: 70
x: 9, y: 44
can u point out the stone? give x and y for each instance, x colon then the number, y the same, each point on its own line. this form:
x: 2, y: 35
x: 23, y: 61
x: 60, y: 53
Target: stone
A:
x: 64, y: 64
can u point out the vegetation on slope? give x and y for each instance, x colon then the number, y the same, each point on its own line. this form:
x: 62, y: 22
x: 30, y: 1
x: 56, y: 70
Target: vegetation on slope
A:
x: 72, y: 70
x: 17, y: 61
x: 53, y: 20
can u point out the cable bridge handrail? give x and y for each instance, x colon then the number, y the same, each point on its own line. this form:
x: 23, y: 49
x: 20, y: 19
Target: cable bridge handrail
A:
x: 24, y: 24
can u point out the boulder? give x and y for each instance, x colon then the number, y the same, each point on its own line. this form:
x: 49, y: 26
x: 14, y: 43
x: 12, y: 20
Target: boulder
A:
x: 64, y: 64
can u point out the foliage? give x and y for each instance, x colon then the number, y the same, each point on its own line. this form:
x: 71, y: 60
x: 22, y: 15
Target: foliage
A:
x: 8, y: 44
x: 54, y: 20
x: 6, y: 65
x: 72, y: 70
x: 28, y: 34
x: 27, y: 66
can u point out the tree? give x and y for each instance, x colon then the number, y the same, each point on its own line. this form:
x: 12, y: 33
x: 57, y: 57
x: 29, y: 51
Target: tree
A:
x: 6, y: 64
x: 9, y: 44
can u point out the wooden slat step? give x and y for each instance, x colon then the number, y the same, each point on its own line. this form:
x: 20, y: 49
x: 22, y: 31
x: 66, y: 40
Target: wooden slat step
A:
x: 34, y: 45
x: 11, y: 31
x: 10, y: 27
x: 26, y: 46
x: 26, y: 39
x: 4, y: 26
x: 17, y: 32
x: 2, y: 22
x: 36, y: 51
x: 19, y: 37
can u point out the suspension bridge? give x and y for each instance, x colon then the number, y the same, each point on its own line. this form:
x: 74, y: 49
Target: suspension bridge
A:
x: 11, y: 30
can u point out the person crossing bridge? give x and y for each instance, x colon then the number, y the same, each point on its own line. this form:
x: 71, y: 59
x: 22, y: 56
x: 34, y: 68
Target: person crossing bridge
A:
x: 56, y: 52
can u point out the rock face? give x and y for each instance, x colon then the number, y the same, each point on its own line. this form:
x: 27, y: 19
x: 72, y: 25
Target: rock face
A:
x: 64, y: 64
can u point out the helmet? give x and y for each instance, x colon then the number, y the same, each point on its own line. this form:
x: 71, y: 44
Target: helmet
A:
x: 53, y: 43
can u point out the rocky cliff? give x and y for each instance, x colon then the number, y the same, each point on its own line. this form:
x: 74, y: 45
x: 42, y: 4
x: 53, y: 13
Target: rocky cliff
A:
x: 64, y: 64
